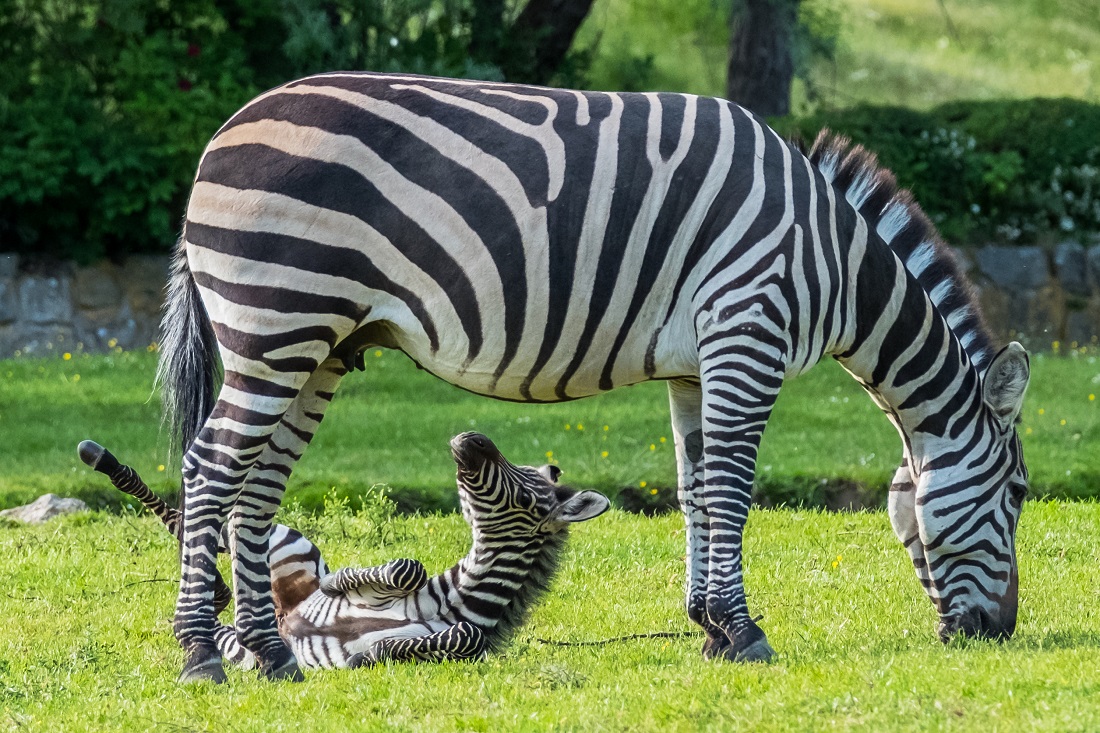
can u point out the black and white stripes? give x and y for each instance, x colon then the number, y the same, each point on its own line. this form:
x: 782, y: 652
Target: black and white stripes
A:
x: 542, y: 245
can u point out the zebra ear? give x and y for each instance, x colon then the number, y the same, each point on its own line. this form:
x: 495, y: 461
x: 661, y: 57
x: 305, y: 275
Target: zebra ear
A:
x: 1005, y: 382
x: 582, y: 506
x: 550, y: 473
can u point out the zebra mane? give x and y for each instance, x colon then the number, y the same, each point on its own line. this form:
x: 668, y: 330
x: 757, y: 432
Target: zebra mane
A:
x: 537, y: 580
x: 893, y: 214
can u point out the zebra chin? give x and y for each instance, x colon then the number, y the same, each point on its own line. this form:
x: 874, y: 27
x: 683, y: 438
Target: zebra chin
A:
x: 994, y: 620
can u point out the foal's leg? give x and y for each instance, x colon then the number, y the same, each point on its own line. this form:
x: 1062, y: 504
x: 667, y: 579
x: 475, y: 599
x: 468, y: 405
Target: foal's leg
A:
x: 252, y: 520
x: 741, y: 377
x: 686, y: 402
x: 459, y: 642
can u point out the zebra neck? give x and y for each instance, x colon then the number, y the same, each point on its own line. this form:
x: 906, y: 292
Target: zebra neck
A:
x: 501, y: 579
x: 908, y: 359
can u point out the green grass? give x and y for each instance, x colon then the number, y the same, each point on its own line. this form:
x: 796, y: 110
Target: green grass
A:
x: 888, y: 51
x: 391, y: 423
x: 86, y: 642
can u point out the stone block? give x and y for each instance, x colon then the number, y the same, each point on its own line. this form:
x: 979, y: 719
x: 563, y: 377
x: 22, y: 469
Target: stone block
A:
x: 1092, y: 257
x: 41, y: 339
x: 104, y: 329
x: 967, y: 261
x: 9, y: 300
x: 1071, y: 268
x: 9, y: 265
x: 1015, y: 268
x: 1083, y: 326
x: 96, y: 288
x: 143, y: 279
x: 45, y: 299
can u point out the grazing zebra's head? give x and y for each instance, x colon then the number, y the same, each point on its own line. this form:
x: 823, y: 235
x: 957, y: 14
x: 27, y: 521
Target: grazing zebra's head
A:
x: 957, y: 515
x: 500, y: 498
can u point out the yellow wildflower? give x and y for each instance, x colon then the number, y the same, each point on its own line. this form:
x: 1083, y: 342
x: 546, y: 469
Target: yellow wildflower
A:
x: 1042, y: 411
x: 567, y: 426
x: 641, y: 484
x: 580, y: 426
x: 1092, y: 398
x: 663, y: 439
x: 112, y: 343
x: 377, y: 352
x: 652, y: 446
x: 653, y: 492
x: 606, y: 428
x: 66, y: 356
x: 549, y: 454
x: 603, y: 454
x: 1062, y: 421
x: 160, y: 468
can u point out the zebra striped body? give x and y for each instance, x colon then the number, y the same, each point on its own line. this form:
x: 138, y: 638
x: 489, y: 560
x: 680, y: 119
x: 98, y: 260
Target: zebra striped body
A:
x: 543, y: 245
x: 519, y: 517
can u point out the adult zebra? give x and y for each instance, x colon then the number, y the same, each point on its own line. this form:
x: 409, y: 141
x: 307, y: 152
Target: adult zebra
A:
x: 543, y: 245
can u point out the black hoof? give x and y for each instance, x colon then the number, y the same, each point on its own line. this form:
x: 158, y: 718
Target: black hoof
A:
x: 748, y: 645
x: 207, y: 668
x: 715, y: 646
x: 288, y: 671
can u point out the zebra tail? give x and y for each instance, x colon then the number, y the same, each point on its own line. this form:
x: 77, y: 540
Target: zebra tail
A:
x: 188, y: 369
x: 126, y: 480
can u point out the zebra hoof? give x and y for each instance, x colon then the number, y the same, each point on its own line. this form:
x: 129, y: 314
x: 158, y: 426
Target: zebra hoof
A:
x: 208, y: 669
x: 715, y: 646
x: 758, y: 651
x: 288, y: 671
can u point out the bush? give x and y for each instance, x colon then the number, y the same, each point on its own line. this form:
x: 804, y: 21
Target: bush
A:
x: 105, y: 105
x: 1006, y: 170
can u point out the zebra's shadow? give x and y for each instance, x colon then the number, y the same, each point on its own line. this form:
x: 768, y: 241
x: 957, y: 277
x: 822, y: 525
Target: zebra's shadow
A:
x: 1052, y: 640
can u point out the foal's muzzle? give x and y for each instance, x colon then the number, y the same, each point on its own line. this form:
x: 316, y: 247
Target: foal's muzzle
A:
x: 982, y: 623
x: 472, y: 450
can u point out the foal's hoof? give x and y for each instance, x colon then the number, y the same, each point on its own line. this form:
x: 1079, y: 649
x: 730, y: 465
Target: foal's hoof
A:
x: 207, y: 669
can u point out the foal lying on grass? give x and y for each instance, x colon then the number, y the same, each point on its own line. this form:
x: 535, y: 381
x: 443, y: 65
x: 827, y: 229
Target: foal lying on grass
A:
x: 520, y: 519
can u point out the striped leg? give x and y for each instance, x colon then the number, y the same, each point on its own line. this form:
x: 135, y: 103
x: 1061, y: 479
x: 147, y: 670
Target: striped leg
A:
x: 231, y: 648
x: 215, y: 468
x: 739, y: 390
x: 458, y: 642
x: 686, y: 403
x: 394, y: 579
x: 252, y: 521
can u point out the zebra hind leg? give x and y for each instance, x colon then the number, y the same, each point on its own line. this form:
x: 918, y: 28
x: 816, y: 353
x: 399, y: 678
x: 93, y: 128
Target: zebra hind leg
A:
x: 686, y: 403
x: 252, y: 521
x: 739, y: 390
x: 215, y: 469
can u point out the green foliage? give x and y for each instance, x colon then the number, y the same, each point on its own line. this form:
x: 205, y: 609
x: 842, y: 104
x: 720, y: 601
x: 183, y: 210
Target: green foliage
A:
x: 87, y: 640
x: 1007, y: 170
x: 105, y: 105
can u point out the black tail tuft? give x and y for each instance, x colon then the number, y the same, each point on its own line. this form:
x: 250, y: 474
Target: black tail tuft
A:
x: 188, y: 368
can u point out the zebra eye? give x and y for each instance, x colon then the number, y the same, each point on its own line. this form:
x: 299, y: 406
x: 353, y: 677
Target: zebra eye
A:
x: 1017, y: 493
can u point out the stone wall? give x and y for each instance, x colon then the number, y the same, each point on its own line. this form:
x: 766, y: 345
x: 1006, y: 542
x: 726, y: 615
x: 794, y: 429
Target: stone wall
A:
x: 51, y: 309
x: 1037, y: 295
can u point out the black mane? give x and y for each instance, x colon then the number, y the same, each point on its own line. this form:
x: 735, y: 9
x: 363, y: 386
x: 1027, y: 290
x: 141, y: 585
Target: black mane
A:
x: 893, y: 214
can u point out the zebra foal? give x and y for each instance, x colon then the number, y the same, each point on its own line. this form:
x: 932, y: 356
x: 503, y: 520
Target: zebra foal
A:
x: 519, y: 517
x: 542, y: 245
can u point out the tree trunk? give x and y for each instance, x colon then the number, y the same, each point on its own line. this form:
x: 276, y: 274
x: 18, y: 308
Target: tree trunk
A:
x: 541, y: 37
x: 487, y: 30
x: 761, y: 63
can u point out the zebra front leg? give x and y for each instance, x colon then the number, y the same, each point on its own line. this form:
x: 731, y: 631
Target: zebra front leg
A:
x: 686, y: 403
x: 252, y: 522
x: 394, y: 579
x: 232, y: 649
x: 739, y: 390
x: 459, y: 642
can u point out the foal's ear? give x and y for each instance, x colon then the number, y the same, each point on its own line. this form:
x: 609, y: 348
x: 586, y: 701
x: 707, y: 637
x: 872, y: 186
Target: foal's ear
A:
x: 550, y: 473
x: 582, y: 506
x: 1005, y: 382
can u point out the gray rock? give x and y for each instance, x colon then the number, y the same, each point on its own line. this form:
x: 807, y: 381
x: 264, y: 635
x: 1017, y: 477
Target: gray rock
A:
x: 966, y: 260
x: 36, y: 339
x: 1016, y: 268
x: 45, y: 299
x: 143, y: 278
x: 1072, y: 268
x: 44, y: 508
x: 9, y: 265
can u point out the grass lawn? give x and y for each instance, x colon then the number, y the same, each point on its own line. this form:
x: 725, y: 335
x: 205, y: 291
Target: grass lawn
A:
x: 888, y: 51
x: 391, y: 423
x: 87, y: 644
